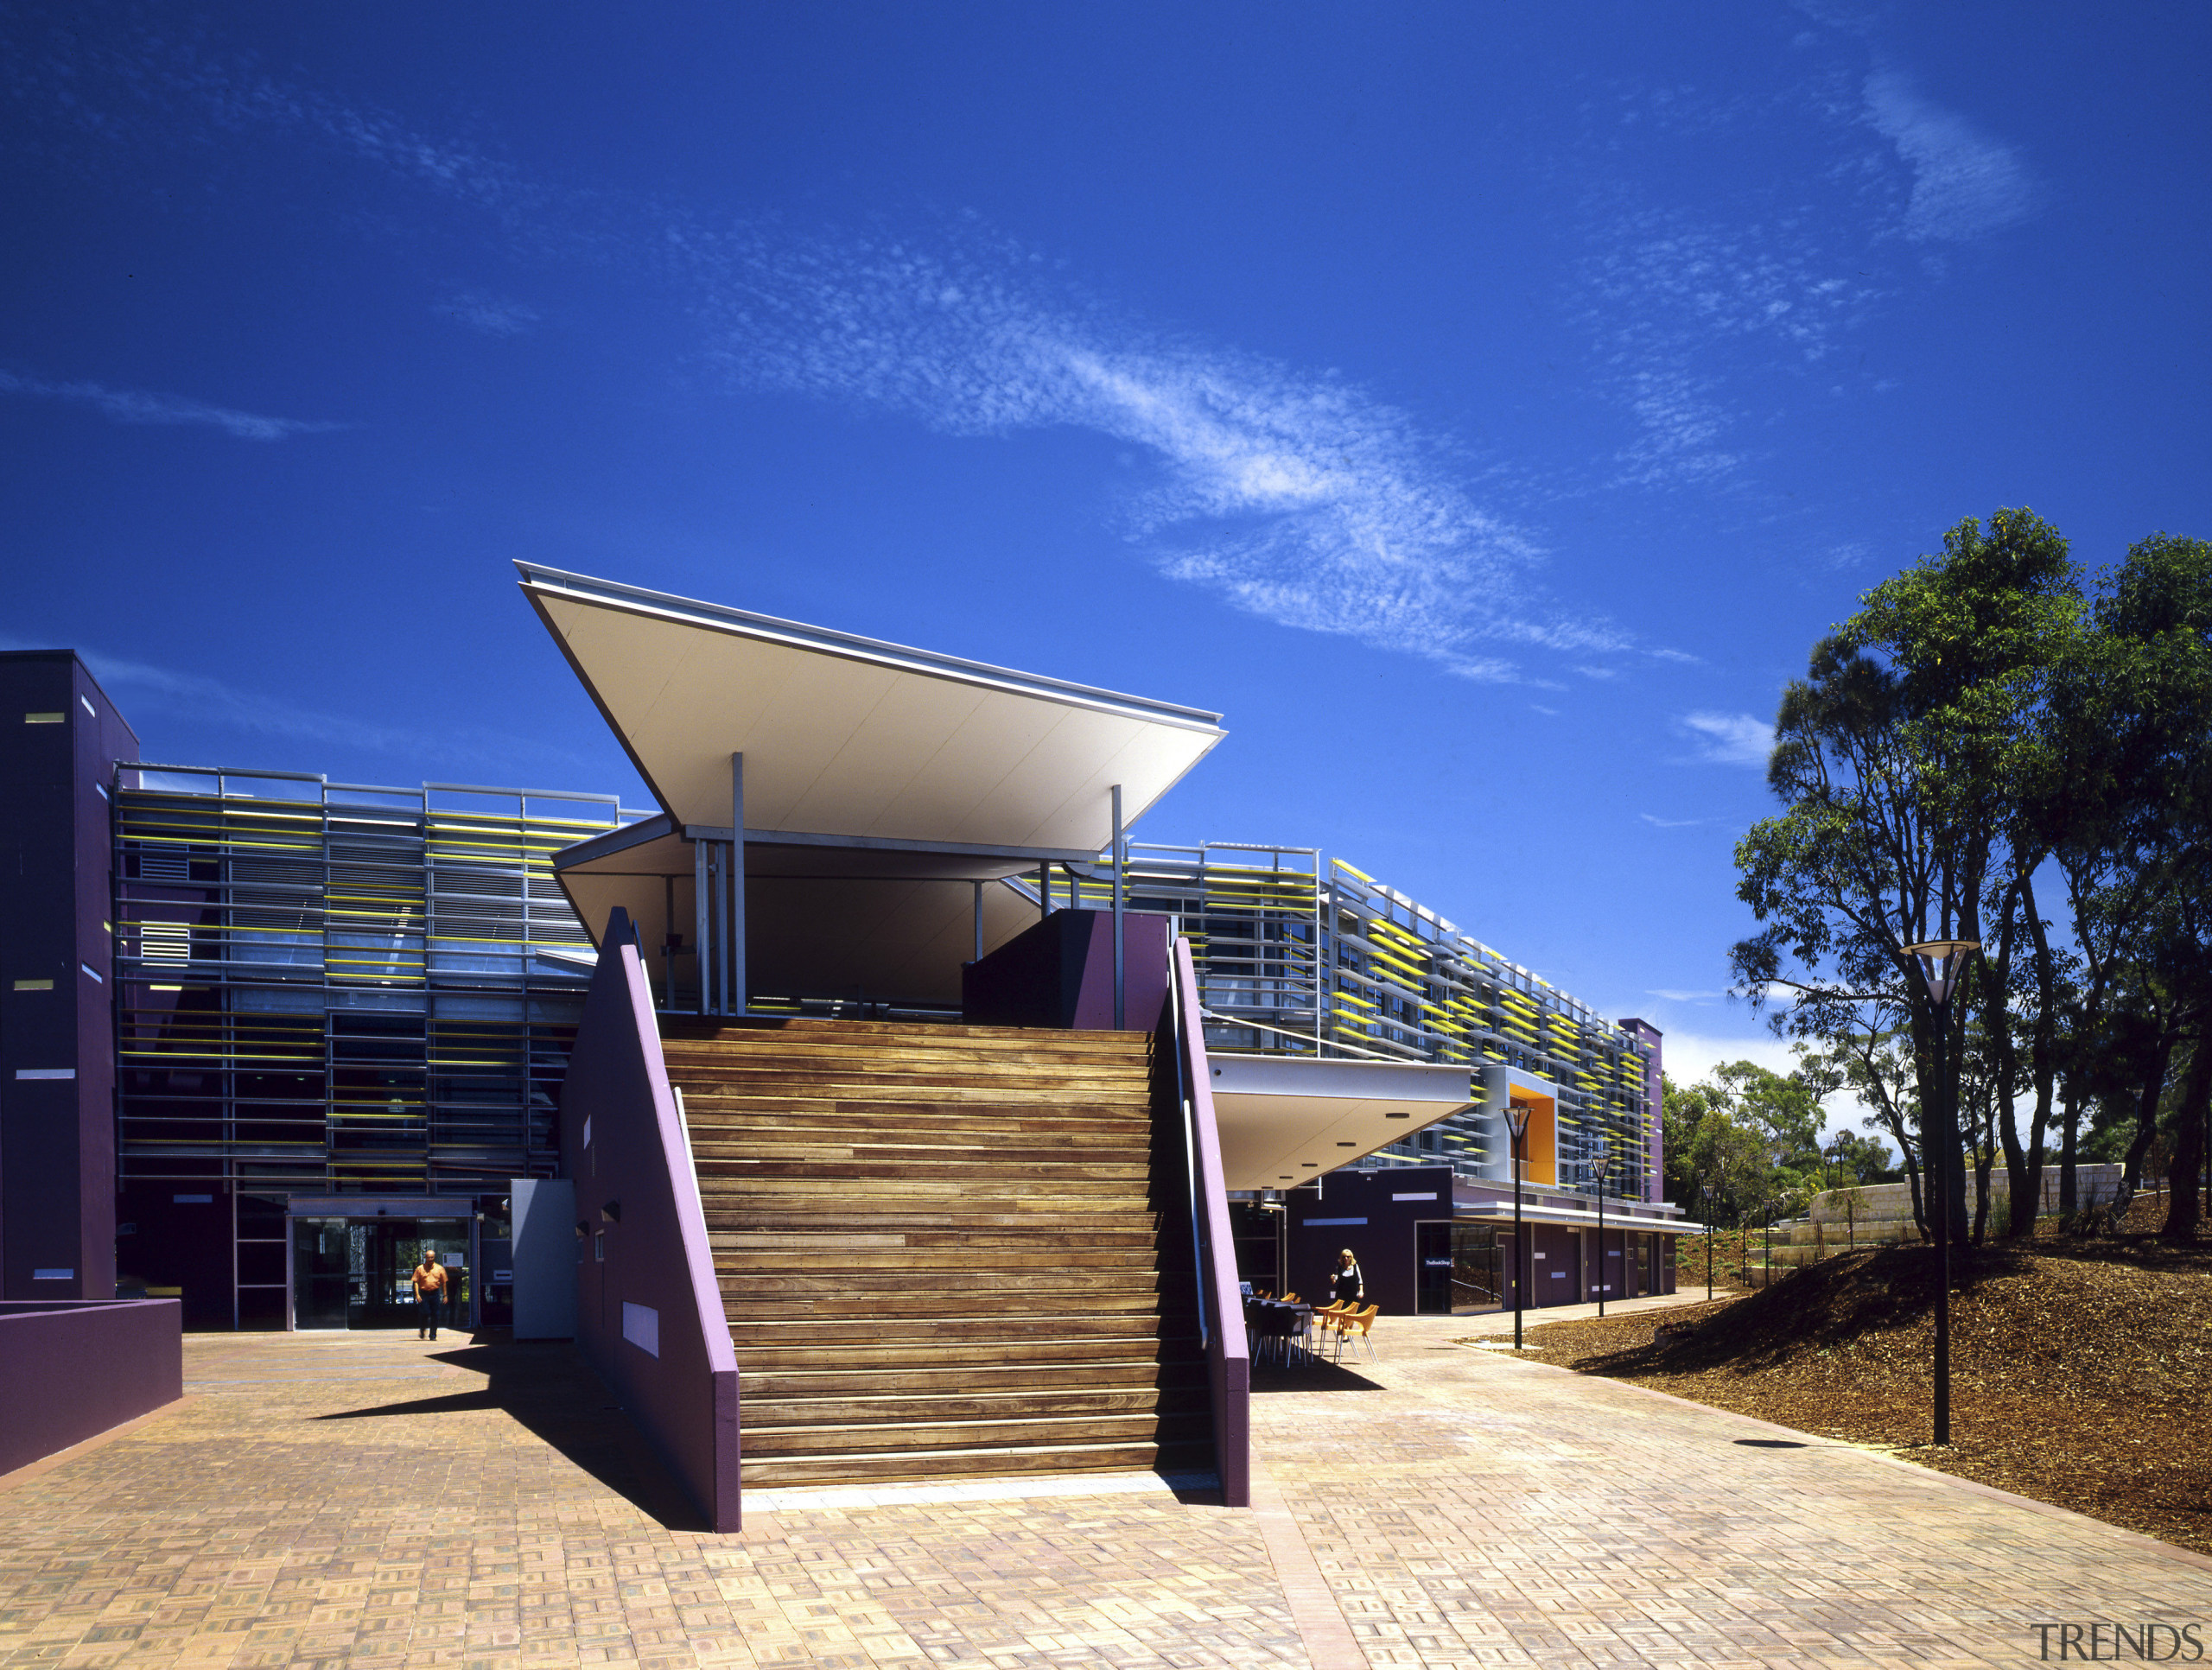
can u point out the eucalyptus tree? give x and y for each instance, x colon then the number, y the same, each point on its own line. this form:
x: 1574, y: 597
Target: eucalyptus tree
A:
x: 2159, y: 611
x: 1894, y: 761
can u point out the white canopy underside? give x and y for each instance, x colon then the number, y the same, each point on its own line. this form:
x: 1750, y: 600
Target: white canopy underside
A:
x: 896, y: 778
x: 849, y: 736
x: 1286, y: 1120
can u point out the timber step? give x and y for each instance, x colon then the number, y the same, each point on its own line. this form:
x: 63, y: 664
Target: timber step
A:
x: 943, y: 1250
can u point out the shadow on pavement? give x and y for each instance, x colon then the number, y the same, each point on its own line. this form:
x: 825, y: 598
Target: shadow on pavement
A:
x: 546, y: 1388
x: 1309, y: 1377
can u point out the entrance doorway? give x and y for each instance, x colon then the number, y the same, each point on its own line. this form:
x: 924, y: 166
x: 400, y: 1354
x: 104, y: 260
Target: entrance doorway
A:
x: 1479, y: 1255
x: 1432, y: 1274
x: 353, y: 1272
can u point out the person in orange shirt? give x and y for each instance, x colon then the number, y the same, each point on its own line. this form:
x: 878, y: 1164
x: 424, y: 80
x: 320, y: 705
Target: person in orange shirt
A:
x: 429, y: 1292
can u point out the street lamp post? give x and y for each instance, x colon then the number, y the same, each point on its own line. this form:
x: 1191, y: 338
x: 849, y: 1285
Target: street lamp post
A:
x: 1705, y: 1189
x: 1516, y: 1115
x: 1601, y: 1163
x: 1940, y: 960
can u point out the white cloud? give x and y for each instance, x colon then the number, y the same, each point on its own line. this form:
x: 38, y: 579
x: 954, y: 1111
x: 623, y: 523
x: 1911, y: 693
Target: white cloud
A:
x: 1672, y: 822
x: 137, y: 406
x: 491, y: 314
x: 1964, y: 184
x: 210, y: 704
x: 1731, y: 739
x: 1289, y: 493
x: 1673, y: 996
x: 1690, y: 1056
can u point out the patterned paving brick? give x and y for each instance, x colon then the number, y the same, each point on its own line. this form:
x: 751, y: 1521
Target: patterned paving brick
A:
x: 371, y: 1501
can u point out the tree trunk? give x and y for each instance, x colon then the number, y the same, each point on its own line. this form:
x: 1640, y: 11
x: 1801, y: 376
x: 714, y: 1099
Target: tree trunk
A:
x: 2191, y: 1137
x: 2148, y: 1098
x: 2028, y: 1202
x: 1997, y: 1023
x: 2069, y: 1144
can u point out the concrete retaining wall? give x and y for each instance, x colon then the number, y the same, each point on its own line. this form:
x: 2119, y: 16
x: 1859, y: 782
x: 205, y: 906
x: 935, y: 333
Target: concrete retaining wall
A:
x: 71, y: 1370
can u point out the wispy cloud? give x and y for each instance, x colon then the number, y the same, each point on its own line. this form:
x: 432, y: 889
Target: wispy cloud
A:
x: 215, y: 703
x: 1674, y: 996
x: 1964, y: 184
x: 1681, y: 305
x: 138, y: 406
x: 212, y: 705
x: 1731, y: 739
x: 1672, y: 822
x: 493, y: 315
x: 1291, y: 495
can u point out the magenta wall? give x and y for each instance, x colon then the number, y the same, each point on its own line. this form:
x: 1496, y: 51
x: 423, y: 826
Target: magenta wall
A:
x: 624, y: 1148
x: 70, y: 1370
x: 1060, y: 973
x: 1228, y: 1359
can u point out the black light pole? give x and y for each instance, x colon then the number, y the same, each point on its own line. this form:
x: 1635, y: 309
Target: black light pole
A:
x: 1516, y: 1115
x: 1599, y: 1164
x: 1939, y: 962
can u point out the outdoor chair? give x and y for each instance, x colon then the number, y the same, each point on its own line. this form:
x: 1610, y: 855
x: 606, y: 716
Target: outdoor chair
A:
x: 1359, y: 1327
x: 1327, y: 1319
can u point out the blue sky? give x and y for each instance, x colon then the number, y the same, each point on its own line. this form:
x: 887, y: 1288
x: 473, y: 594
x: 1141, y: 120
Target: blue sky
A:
x: 1483, y: 408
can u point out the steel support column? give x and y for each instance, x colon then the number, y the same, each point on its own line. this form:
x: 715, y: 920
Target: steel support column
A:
x: 1121, y: 947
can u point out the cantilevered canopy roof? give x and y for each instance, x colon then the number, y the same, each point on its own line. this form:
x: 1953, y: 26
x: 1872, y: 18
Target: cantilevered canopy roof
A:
x: 851, y: 739
x: 882, y: 784
x: 1288, y: 1119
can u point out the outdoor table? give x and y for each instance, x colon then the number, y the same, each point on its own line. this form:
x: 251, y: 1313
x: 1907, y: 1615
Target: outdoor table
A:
x: 1270, y: 1318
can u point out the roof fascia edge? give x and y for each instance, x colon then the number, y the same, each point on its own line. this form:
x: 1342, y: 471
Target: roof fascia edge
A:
x: 715, y: 617
x: 615, y: 841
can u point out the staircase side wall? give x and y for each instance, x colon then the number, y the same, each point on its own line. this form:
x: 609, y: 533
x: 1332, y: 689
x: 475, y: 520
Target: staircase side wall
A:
x: 1186, y: 1086
x: 649, y: 1312
x: 1059, y: 972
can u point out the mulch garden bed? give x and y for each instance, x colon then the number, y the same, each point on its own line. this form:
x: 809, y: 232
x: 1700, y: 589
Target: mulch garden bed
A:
x: 2080, y: 1371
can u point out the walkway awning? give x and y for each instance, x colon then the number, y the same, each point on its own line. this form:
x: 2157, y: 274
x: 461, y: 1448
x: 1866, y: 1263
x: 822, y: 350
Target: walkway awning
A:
x: 1492, y: 1211
x: 1285, y: 1120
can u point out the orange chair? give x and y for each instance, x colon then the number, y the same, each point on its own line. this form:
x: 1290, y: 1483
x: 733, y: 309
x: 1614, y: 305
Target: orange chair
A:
x: 1320, y: 1322
x: 1358, y: 1326
x: 1325, y: 1320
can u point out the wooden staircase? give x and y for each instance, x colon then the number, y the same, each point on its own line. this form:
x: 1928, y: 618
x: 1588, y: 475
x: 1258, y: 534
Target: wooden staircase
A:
x: 945, y: 1251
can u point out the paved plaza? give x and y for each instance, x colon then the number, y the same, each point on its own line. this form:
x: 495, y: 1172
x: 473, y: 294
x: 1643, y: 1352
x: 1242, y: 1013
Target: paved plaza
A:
x: 371, y: 1500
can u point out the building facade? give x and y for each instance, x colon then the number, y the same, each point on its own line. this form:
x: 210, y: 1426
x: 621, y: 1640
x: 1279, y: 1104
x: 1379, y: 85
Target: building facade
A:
x: 265, y: 1036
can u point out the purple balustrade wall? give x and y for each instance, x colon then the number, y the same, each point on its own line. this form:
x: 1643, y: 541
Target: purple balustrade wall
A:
x: 1228, y: 1361
x: 70, y: 1370
x: 1060, y: 973
x: 649, y: 1313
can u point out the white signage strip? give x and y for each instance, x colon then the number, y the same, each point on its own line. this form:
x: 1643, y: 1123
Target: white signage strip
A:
x: 45, y: 1073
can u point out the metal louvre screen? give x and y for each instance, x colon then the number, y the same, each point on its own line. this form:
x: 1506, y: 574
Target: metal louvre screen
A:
x: 333, y: 989
x: 1300, y: 953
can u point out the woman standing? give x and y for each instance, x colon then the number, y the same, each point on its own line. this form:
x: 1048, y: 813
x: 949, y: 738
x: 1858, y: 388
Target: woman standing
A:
x: 1347, y: 1285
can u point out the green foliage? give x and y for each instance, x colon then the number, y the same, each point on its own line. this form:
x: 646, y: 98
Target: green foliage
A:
x: 1983, y: 723
x: 1744, y: 1144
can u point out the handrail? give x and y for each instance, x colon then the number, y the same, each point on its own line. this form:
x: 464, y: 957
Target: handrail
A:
x: 1190, y: 1149
x: 1228, y: 1364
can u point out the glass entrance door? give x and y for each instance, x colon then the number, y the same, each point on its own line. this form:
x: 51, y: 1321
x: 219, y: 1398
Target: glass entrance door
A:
x: 356, y: 1273
x: 1478, y: 1254
x: 1432, y: 1277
